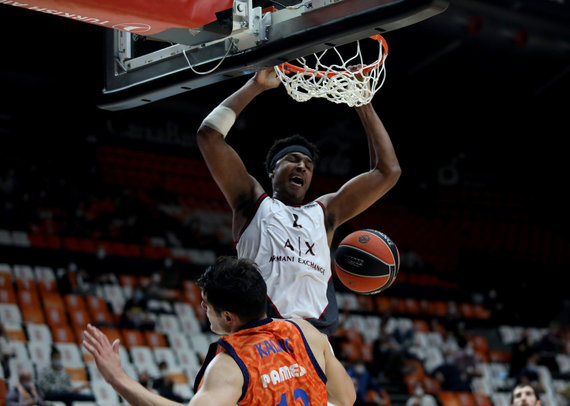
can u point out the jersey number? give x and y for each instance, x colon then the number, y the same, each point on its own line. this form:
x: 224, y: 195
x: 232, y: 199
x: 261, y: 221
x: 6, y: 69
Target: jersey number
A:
x: 299, y: 394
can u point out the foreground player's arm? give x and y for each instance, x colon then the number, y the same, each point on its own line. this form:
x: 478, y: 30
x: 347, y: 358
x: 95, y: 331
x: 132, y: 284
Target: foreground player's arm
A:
x: 340, y: 388
x: 225, y: 165
x: 108, y: 362
x: 365, y: 189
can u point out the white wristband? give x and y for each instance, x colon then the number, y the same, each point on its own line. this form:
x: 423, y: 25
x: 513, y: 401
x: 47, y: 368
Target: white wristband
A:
x: 221, y: 119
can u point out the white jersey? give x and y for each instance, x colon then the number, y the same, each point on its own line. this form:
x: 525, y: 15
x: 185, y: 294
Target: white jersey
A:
x: 289, y: 245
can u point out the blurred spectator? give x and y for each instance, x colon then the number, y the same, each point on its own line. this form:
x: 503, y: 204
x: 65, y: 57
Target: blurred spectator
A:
x: 164, y: 384
x: 145, y: 380
x: 6, y: 350
x: 136, y: 314
x: 528, y: 375
x: 24, y: 392
x: 363, y: 383
x: 420, y: 397
x: 564, y: 395
x: 551, y: 344
x: 156, y: 288
x: 410, y: 260
x: 466, y: 360
x: 450, y: 377
x: 55, y: 383
x: 520, y: 352
x: 389, y: 356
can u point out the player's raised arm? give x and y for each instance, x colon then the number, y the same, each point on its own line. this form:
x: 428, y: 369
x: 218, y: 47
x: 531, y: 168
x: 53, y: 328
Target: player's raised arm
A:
x: 365, y: 189
x: 108, y: 363
x: 228, y: 170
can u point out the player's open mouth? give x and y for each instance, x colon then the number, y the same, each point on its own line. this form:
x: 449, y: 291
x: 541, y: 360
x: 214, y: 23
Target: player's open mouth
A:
x: 297, y: 180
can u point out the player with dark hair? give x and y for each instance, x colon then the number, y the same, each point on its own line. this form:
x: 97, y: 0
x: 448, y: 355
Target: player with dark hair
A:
x: 524, y: 395
x: 260, y: 361
x: 288, y: 238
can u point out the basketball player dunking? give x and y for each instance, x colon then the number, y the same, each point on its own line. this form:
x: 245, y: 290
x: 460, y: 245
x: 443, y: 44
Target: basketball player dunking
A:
x: 288, y: 239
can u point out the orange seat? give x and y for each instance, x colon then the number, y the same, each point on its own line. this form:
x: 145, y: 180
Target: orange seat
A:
x: 62, y: 334
x: 112, y: 333
x: 421, y: 326
x: 412, y: 306
x: 383, y: 304
x: 77, y: 374
x: 128, y: 280
x: 32, y: 314
x: 8, y: 295
x: 79, y: 318
x: 481, y: 400
x: 28, y: 297
x: 74, y: 302
x: 448, y: 398
x: 179, y: 378
x: 465, y: 398
x: 6, y: 279
x: 155, y: 339
x: 55, y: 316
x: 438, y: 308
x: 16, y: 335
x: 52, y: 299
x: 99, y: 310
x: 3, y: 391
x: 132, y: 338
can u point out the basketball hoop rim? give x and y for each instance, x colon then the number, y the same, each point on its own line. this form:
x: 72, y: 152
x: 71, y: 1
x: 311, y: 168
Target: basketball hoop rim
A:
x: 288, y: 67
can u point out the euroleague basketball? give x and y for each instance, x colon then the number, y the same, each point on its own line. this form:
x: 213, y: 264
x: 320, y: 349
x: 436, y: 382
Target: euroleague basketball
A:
x: 367, y: 261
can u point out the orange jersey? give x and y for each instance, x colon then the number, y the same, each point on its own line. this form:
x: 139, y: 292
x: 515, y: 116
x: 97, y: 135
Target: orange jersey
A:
x: 277, y: 364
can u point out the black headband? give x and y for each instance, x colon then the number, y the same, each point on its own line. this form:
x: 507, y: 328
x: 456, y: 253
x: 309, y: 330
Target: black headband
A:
x: 288, y: 150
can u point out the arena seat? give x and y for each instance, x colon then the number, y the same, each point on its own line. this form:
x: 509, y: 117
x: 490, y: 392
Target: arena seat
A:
x: 155, y: 339
x: 15, y: 332
x: 38, y: 332
x: 143, y: 360
x: 3, y: 391
x: 63, y: 333
x: 133, y: 338
x: 104, y: 394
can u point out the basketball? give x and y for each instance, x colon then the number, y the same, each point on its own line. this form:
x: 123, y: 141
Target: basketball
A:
x: 367, y: 261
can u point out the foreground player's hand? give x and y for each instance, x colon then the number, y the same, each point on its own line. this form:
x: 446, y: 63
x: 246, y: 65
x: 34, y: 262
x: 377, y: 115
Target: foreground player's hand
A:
x: 106, y: 354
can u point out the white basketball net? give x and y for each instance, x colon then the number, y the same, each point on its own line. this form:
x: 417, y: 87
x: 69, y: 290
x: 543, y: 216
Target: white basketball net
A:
x: 351, y: 82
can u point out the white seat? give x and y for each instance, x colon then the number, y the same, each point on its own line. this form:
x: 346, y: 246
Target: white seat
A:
x: 5, y: 237
x: 143, y: 360
x: 167, y: 322
x: 184, y: 390
x: 190, y: 325
x: 10, y: 313
x: 21, y: 350
x: 200, y: 343
x: 501, y: 399
x: 16, y: 365
x: 184, y: 309
x: 187, y: 358
x: 158, y: 306
x: 23, y: 272
x: 177, y: 340
x: 20, y: 238
x: 40, y: 353
x: 39, y: 332
x: 104, y: 394
x: 70, y: 355
x: 167, y: 355
x: 44, y: 273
